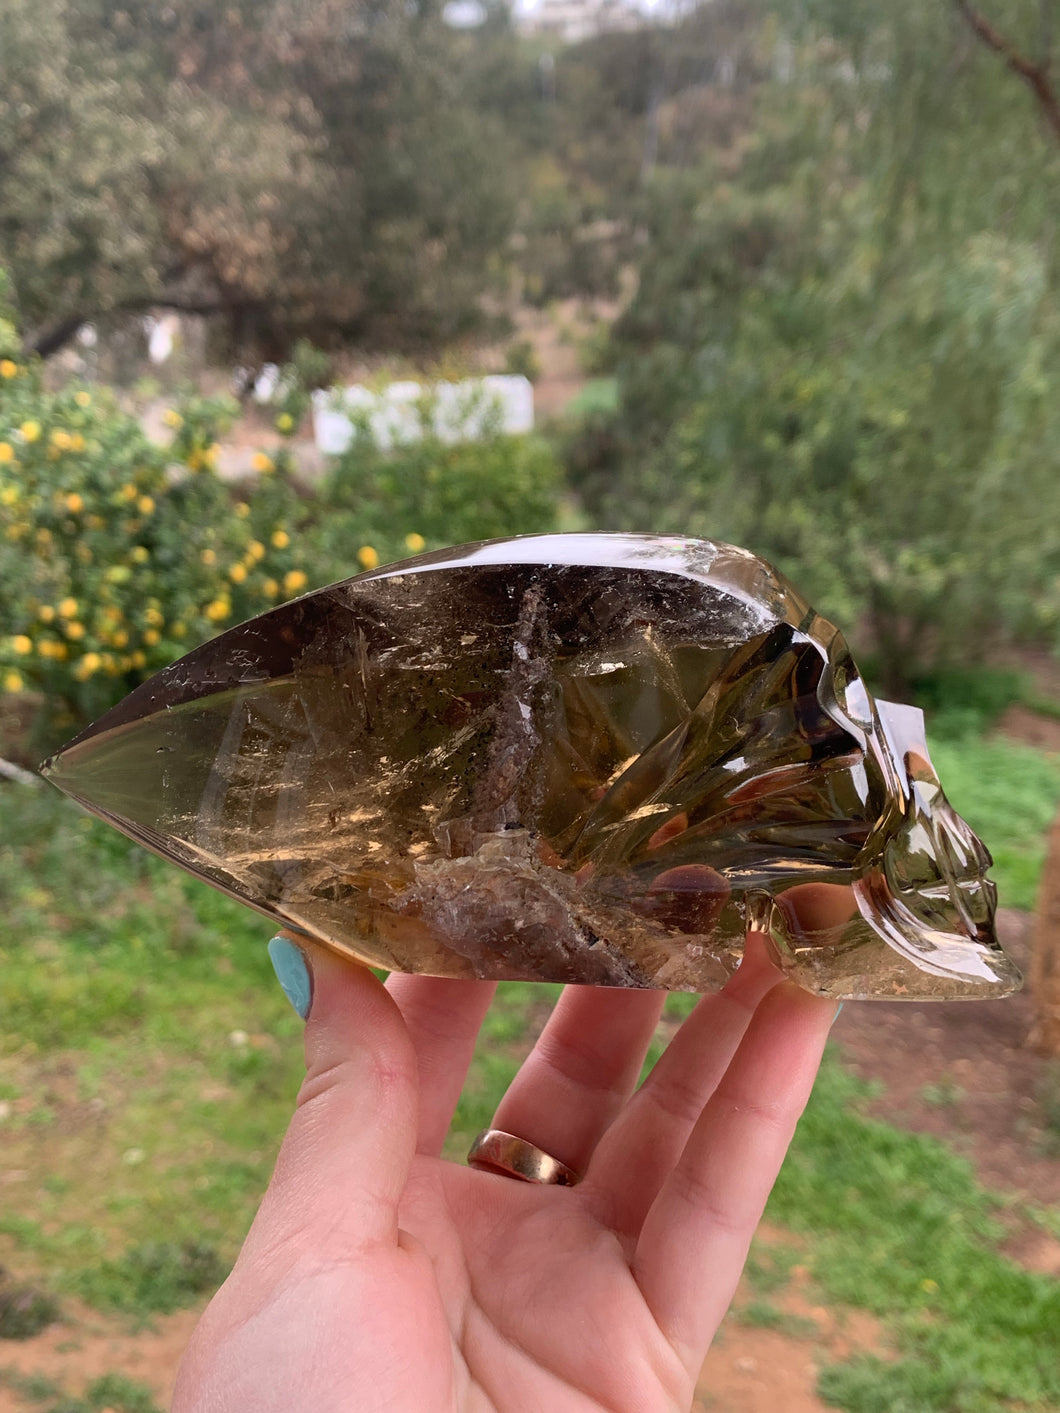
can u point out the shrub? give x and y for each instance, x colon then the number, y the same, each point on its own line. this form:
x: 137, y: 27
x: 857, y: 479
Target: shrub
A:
x: 521, y: 359
x: 155, y: 1277
x: 117, y: 555
x: 428, y: 493
x: 24, y: 1311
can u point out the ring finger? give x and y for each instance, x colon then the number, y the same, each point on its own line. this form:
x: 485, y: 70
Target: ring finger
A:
x: 581, y: 1071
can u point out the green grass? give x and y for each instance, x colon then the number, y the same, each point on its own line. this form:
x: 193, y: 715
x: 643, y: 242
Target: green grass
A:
x: 148, y: 1058
x: 112, y: 1391
x: 154, y: 1278
x: 764, y: 1315
x: 1009, y: 794
x: 898, y: 1226
x: 966, y: 701
x: 769, y: 1267
x: 24, y: 1311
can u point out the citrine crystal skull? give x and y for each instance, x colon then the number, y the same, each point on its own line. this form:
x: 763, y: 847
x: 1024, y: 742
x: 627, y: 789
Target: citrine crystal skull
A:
x: 579, y: 758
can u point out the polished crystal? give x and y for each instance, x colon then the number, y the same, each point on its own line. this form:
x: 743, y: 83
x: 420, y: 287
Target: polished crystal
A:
x: 580, y: 758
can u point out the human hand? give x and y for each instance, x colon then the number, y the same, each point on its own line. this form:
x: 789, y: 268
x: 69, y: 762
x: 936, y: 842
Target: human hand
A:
x: 378, y: 1276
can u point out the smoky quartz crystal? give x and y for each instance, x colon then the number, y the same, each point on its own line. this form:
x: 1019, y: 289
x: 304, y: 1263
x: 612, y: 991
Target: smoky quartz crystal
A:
x: 579, y: 758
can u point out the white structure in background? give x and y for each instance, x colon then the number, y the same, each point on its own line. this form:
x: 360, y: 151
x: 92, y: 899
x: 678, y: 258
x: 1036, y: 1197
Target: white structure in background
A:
x: 464, y: 14
x: 163, y: 336
x: 574, y: 20
x: 267, y: 383
x: 405, y: 412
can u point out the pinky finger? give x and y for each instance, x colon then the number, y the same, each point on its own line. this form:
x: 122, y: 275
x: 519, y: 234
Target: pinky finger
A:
x: 697, y: 1233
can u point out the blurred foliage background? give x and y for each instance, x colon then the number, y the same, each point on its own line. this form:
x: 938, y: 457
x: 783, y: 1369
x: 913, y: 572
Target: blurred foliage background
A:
x: 802, y: 259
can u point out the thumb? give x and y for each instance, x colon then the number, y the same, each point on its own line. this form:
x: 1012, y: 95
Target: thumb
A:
x: 345, y: 1160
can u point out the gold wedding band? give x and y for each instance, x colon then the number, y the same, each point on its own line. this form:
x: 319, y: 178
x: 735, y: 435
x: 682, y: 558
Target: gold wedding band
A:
x: 495, y: 1151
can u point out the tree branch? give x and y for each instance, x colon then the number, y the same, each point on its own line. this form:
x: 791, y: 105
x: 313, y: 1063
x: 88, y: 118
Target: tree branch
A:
x: 1036, y: 76
x: 53, y: 337
x: 50, y: 340
x: 1045, y: 33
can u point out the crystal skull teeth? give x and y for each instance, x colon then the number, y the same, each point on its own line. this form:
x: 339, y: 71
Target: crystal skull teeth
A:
x: 579, y: 758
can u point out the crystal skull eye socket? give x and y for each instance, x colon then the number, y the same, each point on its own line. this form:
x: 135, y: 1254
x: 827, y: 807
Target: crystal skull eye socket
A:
x: 581, y: 758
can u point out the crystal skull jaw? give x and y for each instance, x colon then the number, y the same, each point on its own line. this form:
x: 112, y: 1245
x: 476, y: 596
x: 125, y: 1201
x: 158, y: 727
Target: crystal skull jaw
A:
x: 917, y: 921
x: 565, y: 758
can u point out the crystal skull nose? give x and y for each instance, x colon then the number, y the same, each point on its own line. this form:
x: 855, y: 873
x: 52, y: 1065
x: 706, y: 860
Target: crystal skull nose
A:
x: 582, y: 758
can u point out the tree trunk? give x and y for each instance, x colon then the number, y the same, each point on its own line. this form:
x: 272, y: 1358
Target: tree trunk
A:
x: 1045, y: 958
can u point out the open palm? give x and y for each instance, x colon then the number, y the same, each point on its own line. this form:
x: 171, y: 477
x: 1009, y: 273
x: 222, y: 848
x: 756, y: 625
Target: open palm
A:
x: 378, y: 1276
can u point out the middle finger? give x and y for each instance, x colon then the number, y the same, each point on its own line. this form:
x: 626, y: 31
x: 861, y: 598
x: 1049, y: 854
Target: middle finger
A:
x: 581, y: 1071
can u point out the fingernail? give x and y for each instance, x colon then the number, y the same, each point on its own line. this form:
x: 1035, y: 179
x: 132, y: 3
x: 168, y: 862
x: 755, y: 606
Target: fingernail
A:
x: 292, y: 973
x: 837, y: 1010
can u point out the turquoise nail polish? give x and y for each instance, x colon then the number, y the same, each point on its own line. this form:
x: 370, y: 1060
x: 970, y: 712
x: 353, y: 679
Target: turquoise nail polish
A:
x: 837, y: 1010
x: 292, y: 973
